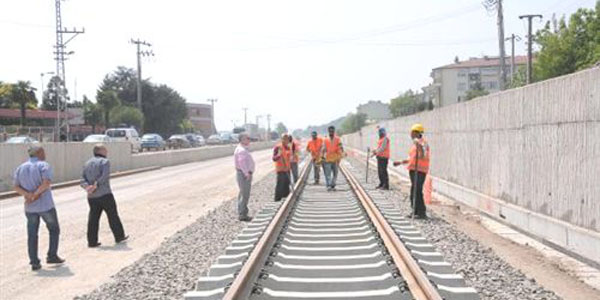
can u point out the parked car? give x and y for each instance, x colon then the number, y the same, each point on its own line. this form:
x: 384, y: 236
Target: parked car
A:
x: 201, y: 140
x: 97, y: 138
x: 178, y: 141
x: 214, y: 139
x: 192, y: 138
x: 21, y: 140
x: 227, y: 138
x: 153, y: 141
x: 126, y: 135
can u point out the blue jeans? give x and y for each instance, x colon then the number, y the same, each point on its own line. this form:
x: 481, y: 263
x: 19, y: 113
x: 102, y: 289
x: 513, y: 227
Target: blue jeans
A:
x: 328, y: 169
x: 33, y: 225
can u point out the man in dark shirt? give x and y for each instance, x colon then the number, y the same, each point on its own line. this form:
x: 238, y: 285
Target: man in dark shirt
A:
x: 96, y: 181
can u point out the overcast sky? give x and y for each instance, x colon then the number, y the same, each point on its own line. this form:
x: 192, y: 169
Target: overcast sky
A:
x: 305, y: 62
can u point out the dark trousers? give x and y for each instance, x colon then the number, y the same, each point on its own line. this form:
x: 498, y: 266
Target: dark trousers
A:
x: 33, y: 225
x: 384, y: 179
x: 282, y: 189
x: 107, y: 204
x: 419, y: 207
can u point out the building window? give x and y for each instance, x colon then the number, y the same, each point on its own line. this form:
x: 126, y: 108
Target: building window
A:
x: 489, y: 71
x: 474, y: 77
x: 462, y: 86
x: 462, y: 73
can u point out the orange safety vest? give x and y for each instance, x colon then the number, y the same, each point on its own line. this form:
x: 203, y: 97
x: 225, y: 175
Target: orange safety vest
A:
x: 295, y: 152
x: 386, y: 152
x: 422, y: 165
x: 283, y: 163
x: 333, y: 151
x: 314, y: 147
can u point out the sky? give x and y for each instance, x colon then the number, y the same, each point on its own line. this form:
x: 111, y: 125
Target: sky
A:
x: 304, y: 62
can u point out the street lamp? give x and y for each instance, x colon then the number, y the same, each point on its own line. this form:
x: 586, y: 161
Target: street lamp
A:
x: 42, y: 77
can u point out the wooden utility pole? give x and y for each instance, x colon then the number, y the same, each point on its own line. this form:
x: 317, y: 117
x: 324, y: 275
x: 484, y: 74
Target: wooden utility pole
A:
x: 140, y: 53
x: 512, y: 39
x: 529, y: 46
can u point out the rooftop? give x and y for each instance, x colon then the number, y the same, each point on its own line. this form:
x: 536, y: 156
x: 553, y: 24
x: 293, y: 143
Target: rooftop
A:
x: 486, y: 61
x: 30, y: 114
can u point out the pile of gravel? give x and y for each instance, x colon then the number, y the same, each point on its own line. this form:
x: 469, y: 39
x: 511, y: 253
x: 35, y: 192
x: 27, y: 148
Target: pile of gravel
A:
x: 173, y: 268
x: 481, y: 267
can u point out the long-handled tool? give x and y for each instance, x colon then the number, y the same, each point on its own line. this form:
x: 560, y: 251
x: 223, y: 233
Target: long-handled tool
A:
x: 367, y: 172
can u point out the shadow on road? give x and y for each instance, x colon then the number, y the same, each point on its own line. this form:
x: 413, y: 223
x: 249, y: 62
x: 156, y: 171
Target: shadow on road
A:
x: 55, y: 271
x: 116, y: 247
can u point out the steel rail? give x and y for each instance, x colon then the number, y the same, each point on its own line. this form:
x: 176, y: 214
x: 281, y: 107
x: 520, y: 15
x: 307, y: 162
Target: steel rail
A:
x: 242, y: 285
x: 417, y: 281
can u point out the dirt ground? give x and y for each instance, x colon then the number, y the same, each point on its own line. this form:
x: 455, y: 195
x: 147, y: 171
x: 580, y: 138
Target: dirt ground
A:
x: 152, y: 205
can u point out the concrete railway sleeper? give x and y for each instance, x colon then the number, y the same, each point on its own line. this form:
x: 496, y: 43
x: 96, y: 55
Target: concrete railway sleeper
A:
x: 331, y: 245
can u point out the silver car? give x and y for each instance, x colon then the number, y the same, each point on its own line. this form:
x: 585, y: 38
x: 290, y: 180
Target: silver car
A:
x: 97, y: 138
x: 21, y: 140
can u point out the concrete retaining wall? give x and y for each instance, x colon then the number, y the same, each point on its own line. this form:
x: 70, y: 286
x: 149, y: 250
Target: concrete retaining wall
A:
x: 67, y: 159
x: 536, y: 148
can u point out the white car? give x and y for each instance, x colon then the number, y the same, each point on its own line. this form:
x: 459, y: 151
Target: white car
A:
x: 126, y: 135
x: 21, y: 140
x: 97, y: 138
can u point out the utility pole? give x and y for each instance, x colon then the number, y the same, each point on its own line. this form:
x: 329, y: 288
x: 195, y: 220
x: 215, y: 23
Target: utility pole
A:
x: 60, y: 52
x: 512, y: 39
x: 492, y: 5
x: 245, y: 115
x: 42, y: 77
x: 268, y: 127
x: 529, y: 46
x: 140, y: 53
x: 212, y: 115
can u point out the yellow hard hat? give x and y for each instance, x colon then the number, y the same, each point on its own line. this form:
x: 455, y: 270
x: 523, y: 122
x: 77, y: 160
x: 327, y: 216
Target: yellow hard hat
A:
x: 417, y: 127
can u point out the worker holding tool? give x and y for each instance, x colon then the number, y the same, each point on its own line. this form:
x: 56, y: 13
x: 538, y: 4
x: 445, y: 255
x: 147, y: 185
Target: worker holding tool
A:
x: 383, y: 156
x: 295, y: 158
x: 332, y: 151
x: 282, y: 158
x: 418, y: 167
x: 314, y: 147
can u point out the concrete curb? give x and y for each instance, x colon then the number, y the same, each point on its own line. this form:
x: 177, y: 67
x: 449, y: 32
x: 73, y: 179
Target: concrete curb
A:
x: 6, y: 195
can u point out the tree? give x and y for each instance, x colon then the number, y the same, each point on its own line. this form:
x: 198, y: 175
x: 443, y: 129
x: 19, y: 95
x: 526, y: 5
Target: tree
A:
x: 408, y: 103
x: 6, y: 95
x: 280, y: 128
x: 107, y: 100
x: 127, y: 115
x: 476, y: 90
x: 50, y: 95
x: 163, y: 108
x: 92, y: 113
x: 573, y: 46
x: 186, y: 126
x: 353, y: 123
x: 23, y: 94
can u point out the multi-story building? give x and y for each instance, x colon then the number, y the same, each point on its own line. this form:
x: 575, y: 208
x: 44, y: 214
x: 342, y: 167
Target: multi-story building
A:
x: 451, y: 82
x: 201, y: 116
x: 375, y: 111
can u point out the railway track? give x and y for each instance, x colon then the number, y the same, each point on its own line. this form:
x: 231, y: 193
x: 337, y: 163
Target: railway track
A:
x: 331, y: 245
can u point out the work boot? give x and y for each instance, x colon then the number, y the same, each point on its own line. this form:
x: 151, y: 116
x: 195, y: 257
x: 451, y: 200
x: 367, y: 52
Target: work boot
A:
x: 245, y: 219
x: 36, y: 267
x: 55, y: 260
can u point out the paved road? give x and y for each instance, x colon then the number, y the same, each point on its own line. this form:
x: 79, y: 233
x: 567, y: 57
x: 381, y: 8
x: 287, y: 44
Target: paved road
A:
x: 153, y: 205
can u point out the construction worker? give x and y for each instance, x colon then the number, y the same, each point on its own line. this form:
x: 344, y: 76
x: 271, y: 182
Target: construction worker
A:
x: 418, y: 167
x: 383, y: 156
x: 282, y: 158
x: 332, y: 151
x: 295, y: 158
x: 314, y: 147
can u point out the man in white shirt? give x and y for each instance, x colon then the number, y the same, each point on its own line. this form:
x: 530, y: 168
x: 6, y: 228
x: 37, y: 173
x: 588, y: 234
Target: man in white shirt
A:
x: 244, y: 165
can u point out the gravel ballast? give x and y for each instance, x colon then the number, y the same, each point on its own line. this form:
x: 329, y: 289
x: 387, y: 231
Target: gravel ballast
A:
x: 493, y: 278
x: 173, y: 268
